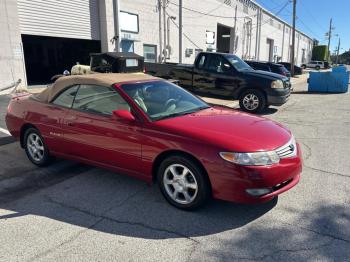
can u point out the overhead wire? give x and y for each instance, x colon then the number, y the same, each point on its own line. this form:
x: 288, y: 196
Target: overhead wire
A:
x: 184, y: 34
x: 208, y: 13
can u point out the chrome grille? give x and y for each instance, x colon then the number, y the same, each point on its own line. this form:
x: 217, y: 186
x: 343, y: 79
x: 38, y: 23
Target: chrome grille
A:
x: 288, y: 150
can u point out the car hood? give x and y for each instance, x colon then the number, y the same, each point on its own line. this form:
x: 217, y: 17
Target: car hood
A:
x: 228, y: 129
x: 265, y: 74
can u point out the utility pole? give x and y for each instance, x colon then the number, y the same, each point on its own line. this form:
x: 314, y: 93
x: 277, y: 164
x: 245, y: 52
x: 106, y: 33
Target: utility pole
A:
x: 116, y: 25
x: 329, y: 38
x: 293, y: 39
x: 164, y: 21
x: 180, y: 31
x: 234, y: 32
x: 160, y: 30
x: 336, y: 61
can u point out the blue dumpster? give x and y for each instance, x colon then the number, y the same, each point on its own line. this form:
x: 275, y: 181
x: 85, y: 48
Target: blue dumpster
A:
x: 336, y: 81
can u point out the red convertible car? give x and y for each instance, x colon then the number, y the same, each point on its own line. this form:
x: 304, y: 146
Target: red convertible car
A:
x: 156, y: 131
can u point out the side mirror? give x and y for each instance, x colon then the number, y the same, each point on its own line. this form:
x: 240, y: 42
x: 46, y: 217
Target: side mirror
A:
x: 123, y: 115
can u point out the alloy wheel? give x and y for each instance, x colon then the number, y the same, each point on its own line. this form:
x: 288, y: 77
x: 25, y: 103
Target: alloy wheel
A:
x: 35, y: 147
x: 251, y: 102
x: 180, y: 184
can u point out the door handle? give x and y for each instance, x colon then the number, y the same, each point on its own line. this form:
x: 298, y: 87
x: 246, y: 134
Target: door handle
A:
x: 70, y: 124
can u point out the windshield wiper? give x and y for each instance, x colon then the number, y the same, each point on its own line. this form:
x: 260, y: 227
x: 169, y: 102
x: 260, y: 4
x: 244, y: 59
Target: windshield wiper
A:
x: 182, y: 113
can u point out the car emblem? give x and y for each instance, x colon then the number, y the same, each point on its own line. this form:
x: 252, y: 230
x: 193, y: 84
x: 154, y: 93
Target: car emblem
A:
x: 291, y: 147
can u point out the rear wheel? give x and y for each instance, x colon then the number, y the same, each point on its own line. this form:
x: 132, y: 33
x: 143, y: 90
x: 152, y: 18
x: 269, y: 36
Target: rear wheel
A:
x: 303, y: 66
x: 183, y: 183
x: 317, y: 67
x: 35, y: 147
x: 252, y: 101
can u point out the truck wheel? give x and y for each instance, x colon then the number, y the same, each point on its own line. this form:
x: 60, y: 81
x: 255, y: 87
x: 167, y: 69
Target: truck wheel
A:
x: 252, y: 101
x: 183, y: 183
x: 317, y: 67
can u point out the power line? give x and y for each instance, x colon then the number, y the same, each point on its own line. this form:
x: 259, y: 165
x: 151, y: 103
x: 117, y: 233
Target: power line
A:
x: 208, y: 13
x: 186, y: 36
x: 276, y: 14
x: 308, y: 28
x: 313, y: 18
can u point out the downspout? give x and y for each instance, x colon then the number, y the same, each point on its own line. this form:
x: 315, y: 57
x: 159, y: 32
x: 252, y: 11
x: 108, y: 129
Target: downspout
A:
x: 257, y: 35
x: 284, y: 25
x: 260, y: 18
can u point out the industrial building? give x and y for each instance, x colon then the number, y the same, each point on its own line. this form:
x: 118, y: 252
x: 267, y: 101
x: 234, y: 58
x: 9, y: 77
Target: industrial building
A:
x: 43, y: 38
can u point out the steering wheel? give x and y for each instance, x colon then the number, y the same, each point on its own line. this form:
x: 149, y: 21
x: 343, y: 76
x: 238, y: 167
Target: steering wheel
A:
x: 169, y: 103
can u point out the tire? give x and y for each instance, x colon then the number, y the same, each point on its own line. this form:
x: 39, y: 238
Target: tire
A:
x: 35, y: 147
x: 303, y: 66
x: 317, y: 68
x: 190, y: 197
x: 252, y: 101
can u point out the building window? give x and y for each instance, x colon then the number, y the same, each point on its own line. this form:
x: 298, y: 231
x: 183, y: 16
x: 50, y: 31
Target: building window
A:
x: 150, y: 53
x: 127, y: 46
x: 271, y: 21
x: 245, y: 8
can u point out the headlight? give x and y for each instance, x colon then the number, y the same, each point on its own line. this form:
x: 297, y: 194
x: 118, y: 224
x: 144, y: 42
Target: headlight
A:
x: 252, y: 159
x: 277, y: 84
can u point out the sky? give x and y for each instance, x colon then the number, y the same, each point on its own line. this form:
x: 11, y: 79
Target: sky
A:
x: 313, y: 17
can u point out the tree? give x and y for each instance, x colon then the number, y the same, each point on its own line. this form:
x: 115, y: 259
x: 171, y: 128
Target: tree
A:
x: 319, y: 53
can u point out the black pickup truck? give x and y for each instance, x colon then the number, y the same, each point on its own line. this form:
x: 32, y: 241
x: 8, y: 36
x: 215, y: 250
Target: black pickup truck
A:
x: 227, y: 76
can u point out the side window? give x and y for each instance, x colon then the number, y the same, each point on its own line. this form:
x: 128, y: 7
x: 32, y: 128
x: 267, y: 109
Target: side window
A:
x: 66, y: 98
x: 99, y: 99
x: 218, y: 64
x: 201, y: 61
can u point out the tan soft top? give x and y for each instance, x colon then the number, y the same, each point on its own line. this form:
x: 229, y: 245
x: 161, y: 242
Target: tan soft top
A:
x: 92, y: 79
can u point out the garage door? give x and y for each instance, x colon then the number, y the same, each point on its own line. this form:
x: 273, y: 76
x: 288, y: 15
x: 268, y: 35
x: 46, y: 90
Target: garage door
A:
x: 65, y: 18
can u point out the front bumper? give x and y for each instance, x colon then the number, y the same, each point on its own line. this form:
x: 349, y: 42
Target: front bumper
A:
x: 233, y: 180
x: 278, y: 97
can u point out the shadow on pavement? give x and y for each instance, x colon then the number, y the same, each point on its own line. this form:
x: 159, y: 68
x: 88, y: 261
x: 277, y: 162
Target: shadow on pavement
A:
x: 320, y: 235
x: 121, y: 205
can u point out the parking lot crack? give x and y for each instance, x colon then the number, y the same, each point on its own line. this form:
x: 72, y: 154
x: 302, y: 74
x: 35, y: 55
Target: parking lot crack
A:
x: 296, y: 250
x: 69, y: 240
x: 327, y: 172
x: 317, y: 232
x: 103, y: 216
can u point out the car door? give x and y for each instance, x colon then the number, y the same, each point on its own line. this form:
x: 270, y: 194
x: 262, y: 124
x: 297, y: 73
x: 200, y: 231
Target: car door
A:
x: 94, y: 134
x: 201, y: 83
x: 220, y: 76
x: 51, y: 121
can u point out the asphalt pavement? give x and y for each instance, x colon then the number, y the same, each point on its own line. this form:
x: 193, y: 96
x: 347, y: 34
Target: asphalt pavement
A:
x: 72, y: 212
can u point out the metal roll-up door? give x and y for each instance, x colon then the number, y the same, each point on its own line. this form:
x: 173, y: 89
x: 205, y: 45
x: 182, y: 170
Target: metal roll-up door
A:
x: 65, y: 18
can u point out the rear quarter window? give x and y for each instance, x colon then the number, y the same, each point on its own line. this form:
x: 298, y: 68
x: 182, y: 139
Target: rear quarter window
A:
x: 66, y: 98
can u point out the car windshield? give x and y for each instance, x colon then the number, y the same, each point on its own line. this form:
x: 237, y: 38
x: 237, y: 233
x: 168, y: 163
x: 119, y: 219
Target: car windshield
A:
x: 238, y: 63
x: 161, y: 99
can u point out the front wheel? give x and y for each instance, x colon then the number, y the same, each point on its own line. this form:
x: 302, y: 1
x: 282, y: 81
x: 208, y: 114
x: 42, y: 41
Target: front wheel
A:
x: 317, y: 68
x: 252, y: 101
x: 35, y: 147
x: 183, y: 183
